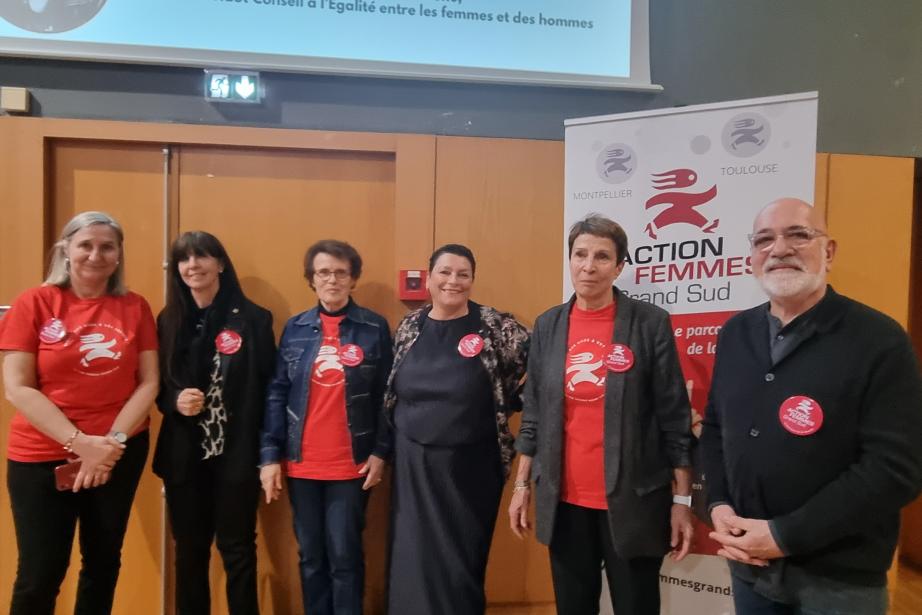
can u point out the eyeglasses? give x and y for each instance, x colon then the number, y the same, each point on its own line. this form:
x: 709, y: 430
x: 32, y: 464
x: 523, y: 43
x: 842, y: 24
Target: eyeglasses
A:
x: 325, y: 274
x: 795, y: 237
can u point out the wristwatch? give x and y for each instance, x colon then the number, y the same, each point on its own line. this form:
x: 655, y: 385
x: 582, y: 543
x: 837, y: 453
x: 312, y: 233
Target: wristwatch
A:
x: 119, y: 436
x: 682, y: 499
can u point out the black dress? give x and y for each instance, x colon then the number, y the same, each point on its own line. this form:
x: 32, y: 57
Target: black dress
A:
x: 448, y: 476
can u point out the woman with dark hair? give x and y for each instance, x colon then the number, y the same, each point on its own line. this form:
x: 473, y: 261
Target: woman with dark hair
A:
x: 80, y: 367
x: 217, y: 349
x: 605, y: 436
x: 323, y: 428
x: 458, y: 369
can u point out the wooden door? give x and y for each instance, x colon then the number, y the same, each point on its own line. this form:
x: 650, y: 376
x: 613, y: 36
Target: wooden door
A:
x: 267, y: 207
x: 503, y: 199
x: 125, y: 180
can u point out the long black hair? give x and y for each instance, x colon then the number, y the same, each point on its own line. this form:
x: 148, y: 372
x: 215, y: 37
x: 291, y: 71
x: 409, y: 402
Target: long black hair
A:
x: 174, y: 319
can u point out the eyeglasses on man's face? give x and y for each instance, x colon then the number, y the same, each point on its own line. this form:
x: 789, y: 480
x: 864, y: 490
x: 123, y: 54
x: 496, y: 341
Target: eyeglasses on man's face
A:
x: 795, y: 237
x: 325, y: 275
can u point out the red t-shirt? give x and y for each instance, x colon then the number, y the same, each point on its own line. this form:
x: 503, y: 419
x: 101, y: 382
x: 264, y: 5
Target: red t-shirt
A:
x: 326, y: 444
x: 90, y: 372
x: 583, y: 467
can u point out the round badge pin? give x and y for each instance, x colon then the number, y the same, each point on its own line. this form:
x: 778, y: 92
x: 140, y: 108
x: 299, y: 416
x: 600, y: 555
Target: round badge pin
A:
x: 619, y: 358
x: 228, y: 342
x: 470, y: 345
x: 52, y: 332
x: 800, y: 415
x: 351, y: 355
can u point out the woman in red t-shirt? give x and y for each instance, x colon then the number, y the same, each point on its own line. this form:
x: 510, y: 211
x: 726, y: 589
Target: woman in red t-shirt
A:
x: 324, y: 430
x: 607, y: 423
x: 81, y: 369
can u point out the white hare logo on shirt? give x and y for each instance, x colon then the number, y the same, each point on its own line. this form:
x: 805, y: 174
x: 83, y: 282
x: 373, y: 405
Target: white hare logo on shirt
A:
x: 328, y: 367
x: 100, y: 347
x: 96, y: 347
x: 585, y: 370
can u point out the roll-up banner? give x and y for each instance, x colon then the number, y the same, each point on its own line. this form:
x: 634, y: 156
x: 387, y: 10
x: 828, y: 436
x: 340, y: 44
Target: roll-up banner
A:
x: 686, y: 184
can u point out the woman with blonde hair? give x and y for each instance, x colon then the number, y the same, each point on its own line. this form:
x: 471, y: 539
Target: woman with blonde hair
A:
x: 80, y: 367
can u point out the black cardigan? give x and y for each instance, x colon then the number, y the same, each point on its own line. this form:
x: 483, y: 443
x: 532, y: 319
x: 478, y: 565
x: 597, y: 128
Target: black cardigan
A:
x: 647, y: 425
x: 833, y: 497
x: 246, y: 376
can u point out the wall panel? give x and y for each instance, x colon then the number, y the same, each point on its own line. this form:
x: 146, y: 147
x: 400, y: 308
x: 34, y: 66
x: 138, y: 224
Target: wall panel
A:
x: 869, y: 212
x: 911, y: 533
x: 503, y: 199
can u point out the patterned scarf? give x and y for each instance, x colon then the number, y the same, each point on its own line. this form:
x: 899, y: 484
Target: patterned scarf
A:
x: 214, y: 416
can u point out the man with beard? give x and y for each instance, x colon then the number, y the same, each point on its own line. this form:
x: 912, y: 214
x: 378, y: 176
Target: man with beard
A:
x: 811, y: 439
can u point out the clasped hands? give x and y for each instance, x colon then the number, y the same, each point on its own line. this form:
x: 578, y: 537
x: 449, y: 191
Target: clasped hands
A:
x: 748, y: 541
x: 97, y: 456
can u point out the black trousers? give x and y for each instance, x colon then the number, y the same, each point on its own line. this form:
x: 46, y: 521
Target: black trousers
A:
x: 205, y: 509
x: 580, y: 544
x: 46, y: 520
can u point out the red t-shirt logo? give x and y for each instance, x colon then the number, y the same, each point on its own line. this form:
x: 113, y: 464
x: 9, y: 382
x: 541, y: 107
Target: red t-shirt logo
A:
x: 328, y: 366
x: 99, y: 347
x: 585, y: 372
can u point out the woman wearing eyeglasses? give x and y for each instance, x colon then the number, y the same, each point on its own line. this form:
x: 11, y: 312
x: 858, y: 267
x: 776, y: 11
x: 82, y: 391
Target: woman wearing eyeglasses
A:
x: 323, y: 428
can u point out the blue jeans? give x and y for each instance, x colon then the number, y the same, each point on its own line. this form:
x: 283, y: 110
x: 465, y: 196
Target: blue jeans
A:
x: 814, y: 596
x: 329, y: 516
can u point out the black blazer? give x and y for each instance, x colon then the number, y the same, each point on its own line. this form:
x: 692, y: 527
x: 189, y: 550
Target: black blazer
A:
x: 647, y: 425
x: 246, y: 375
x: 833, y: 497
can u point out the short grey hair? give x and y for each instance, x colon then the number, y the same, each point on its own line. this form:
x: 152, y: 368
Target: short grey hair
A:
x: 59, y: 267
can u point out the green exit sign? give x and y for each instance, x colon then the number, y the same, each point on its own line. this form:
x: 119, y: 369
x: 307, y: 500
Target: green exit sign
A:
x: 232, y: 86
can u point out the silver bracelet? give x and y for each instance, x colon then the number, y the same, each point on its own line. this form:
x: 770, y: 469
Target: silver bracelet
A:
x: 69, y: 444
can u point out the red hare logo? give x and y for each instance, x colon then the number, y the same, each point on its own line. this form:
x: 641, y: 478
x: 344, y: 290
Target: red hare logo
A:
x: 681, y: 205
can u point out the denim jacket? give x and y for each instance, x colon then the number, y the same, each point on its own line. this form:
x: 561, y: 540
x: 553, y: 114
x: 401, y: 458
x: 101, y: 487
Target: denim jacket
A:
x: 288, y: 395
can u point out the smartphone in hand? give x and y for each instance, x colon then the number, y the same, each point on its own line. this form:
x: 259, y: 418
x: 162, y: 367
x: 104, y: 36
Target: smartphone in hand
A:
x: 65, y: 475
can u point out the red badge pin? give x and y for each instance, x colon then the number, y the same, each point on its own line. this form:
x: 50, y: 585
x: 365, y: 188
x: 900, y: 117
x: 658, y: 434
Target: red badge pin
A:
x: 802, y: 416
x: 470, y: 345
x: 619, y: 358
x: 228, y: 342
x: 351, y: 355
x: 52, y: 332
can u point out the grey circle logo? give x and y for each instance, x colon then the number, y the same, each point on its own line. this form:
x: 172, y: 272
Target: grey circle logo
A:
x: 616, y: 163
x: 746, y: 134
x: 49, y: 16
